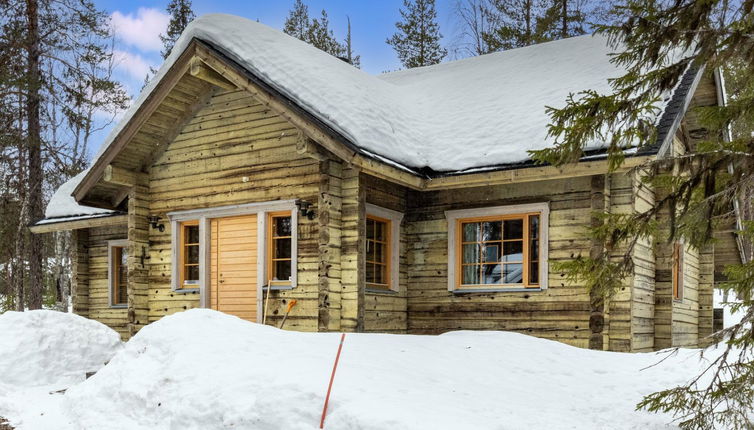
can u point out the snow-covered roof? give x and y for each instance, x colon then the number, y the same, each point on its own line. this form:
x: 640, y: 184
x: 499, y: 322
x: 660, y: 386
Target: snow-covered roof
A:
x: 453, y: 117
x: 63, y: 207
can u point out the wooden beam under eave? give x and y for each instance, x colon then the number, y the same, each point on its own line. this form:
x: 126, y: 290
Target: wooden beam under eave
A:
x: 79, y: 224
x: 200, y: 70
x: 123, y: 177
x: 531, y: 174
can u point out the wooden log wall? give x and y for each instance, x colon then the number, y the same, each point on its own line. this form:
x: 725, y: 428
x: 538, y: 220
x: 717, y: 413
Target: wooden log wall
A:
x: 560, y: 312
x: 234, y: 151
x: 385, y: 312
x: 99, y: 301
x: 138, y: 254
x: 80, y: 271
x: 330, y: 227
x: 352, y: 250
x: 643, y: 285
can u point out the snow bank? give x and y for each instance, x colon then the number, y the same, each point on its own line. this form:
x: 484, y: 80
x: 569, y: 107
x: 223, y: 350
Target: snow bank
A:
x: 47, y: 347
x: 203, y: 369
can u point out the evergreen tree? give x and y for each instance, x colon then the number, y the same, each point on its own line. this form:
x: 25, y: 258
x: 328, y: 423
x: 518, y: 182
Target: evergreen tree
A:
x: 52, y: 87
x: 657, y: 41
x: 561, y: 19
x: 417, y: 41
x: 350, y: 56
x: 297, y: 23
x: 321, y: 36
x: 513, y: 24
x: 181, y: 15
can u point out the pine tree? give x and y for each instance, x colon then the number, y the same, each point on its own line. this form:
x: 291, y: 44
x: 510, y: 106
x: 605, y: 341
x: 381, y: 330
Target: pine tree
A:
x: 417, y: 41
x: 717, y: 179
x: 561, y: 19
x: 321, y: 36
x: 513, y: 24
x: 355, y: 60
x: 181, y: 15
x: 297, y: 23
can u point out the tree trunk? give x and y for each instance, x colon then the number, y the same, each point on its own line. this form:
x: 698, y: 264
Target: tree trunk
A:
x: 35, y: 154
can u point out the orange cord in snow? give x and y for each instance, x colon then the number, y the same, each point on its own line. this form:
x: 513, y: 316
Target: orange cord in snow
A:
x: 332, y: 377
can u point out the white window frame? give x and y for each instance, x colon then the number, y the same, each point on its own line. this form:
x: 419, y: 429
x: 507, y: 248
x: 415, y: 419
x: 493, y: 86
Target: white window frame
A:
x: 122, y: 243
x: 395, y: 219
x: 205, y: 216
x: 544, y: 224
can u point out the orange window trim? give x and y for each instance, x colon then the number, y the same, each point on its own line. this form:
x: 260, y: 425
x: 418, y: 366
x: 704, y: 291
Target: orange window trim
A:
x: 386, y: 245
x: 184, y: 253
x: 271, y: 248
x: 525, y: 251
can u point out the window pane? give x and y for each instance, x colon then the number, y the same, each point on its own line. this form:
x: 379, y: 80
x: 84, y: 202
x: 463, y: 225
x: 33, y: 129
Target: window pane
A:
x: 470, y: 275
x: 192, y: 234
x: 380, y: 231
x: 534, y: 250
x: 379, y: 274
x: 491, y: 273
x: 492, y: 230
x: 379, y: 252
x: 192, y: 273
x: 513, y: 251
x: 282, y: 248
x: 281, y: 226
x: 370, y: 228
x: 192, y: 254
x: 471, y: 253
x: 282, y: 270
x: 370, y: 251
x: 370, y: 278
x: 513, y: 229
x: 534, y: 273
x: 534, y: 226
x: 513, y: 273
x: 492, y: 253
x: 471, y: 232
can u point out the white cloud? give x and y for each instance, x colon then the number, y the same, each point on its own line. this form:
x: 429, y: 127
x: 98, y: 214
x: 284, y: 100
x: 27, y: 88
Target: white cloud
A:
x: 142, y: 29
x: 132, y: 64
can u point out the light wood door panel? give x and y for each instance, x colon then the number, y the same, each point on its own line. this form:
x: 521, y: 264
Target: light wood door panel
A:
x: 233, y: 267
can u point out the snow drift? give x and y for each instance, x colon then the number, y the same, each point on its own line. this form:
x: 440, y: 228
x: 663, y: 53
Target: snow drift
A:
x: 47, y: 347
x: 204, y: 369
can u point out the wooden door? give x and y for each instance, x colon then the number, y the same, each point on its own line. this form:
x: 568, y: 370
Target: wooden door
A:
x: 233, y: 269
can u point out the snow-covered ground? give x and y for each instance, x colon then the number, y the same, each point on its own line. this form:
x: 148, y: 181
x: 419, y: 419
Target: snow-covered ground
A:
x: 207, y: 370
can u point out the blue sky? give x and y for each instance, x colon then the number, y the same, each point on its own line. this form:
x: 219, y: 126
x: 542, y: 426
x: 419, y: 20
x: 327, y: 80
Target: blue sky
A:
x: 138, y: 24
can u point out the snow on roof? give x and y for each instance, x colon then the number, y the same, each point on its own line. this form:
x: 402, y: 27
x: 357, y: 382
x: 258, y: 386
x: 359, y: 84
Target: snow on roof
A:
x: 452, y: 117
x: 63, y: 206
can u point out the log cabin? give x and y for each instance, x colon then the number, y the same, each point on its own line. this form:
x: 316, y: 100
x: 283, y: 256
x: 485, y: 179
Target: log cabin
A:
x: 255, y: 169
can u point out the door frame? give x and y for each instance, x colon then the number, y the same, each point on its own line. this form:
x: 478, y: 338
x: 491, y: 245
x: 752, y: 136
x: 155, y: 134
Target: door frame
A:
x: 205, y: 215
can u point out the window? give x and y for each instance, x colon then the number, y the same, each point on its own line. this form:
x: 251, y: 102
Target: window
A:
x: 279, y: 239
x: 498, y: 248
x: 678, y: 270
x: 189, y: 254
x: 378, y: 253
x: 118, y: 272
x: 382, y: 260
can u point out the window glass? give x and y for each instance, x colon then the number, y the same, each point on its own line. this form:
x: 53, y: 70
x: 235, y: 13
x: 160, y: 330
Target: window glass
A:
x: 119, y: 285
x: 494, y: 251
x: 377, y: 253
x: 190, y: 253
x: 280, y: 247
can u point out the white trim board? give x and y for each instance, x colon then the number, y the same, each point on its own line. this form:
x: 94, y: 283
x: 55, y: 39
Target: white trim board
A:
x: 544, y: 220
x: 205, y: 215
x: 395, y: 218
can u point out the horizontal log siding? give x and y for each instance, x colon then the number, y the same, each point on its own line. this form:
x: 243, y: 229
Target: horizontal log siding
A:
x: 234, y: 151
x: 643, y: 282
x: 561, y: 312
x: 386, y: 312
x: 99, y: 300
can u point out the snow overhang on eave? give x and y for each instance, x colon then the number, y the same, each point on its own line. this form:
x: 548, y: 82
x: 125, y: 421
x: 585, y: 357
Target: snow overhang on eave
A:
x: 75, y: 222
